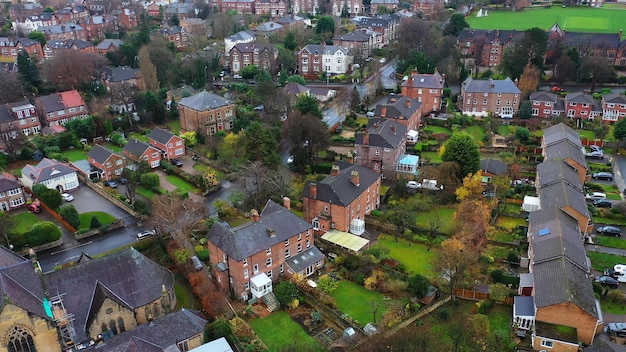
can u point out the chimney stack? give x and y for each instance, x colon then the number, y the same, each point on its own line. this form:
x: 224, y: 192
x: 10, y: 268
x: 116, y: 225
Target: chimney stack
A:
x: 270, y: 232
x: 354, y: 178
x: 620, y: 34
x: 287, y: 203
x: 313, y: 190
x: 383, y: 111
x: 408, y: 103
x: 254, y: 215
x: 366, y: 137
x: 393, y: 129
x: 335, y: 171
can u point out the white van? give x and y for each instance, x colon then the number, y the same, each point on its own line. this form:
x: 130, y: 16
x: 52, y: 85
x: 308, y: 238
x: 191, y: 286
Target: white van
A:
x: 618, y: 272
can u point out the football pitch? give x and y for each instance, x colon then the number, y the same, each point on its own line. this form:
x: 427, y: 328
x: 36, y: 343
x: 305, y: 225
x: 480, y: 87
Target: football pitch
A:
x: 572, y: 19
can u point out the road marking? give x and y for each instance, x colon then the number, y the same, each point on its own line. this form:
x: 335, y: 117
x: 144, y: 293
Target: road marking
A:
x: 67, y: 249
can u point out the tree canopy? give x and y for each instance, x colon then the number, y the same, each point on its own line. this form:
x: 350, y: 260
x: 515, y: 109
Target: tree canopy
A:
x: 462, y: 149
x: 455, y: 25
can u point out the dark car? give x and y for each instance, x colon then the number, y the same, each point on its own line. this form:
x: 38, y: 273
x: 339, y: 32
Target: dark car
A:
x: 177, y: 162
x: 609, y: 231
x: 603, y: 176
x: 607, y: 281
x: 617, y: 328
x: 602, y: 203
x: 111, y: 184
x: 123, y: 180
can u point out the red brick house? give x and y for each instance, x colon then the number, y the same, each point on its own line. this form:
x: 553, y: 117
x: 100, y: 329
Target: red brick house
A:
x: 581, y: 105
x: 613, y: 107
x: 54, y: 47
x: 64, y: 32
x: 72, y: 14
x: 425, y: 88
x: 546, y: 105
x: 274, y: 8
x: 25, y: 117
x: 428, y: 8
x: 138, y: 151
x: 176, y: 35
x: 126, y: 18
x: 247, y: 259
x: 96, y: 26
x: 261, y: 55
x: 10, y: 47
x: 481, y: 97
x: 170, y: 145
x: 241, y: 6
x: 153, y: 9
x: 206, y: 113
x: 404, y: 110
x: 486, y: 46
x: 389, y: 6
x: 110, y: 164
x: 58, y: 108
x: 342, y: 199
x: 107, y: 46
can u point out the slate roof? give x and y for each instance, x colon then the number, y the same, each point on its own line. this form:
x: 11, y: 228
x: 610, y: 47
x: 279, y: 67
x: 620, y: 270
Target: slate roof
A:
x: 68, y: 43
x: 240, y: 36
x: 269, y: 26
x: 160, y: 334
x: 323, y: 49
x: 398, y: 109
x: 253, y: 237
x: 8, y: 258
x: 305, y: 259
x: 46, y: 169
x: 252, y: 47
x: 553, y: 171
x: 561, y: 281
x: 524, y: 305
x: 8, y: 183
x: 471, y: 85
x: 421, y: 80
x: 108, y: 43
x: 288, y: 19
x: 384, y: 133
x: 559, y: 132
x: 579, y: 97
x: 562, y: 194
x: 20, y: 285
x: 543, y: 96
x: 614, y: 98
x: 501, y: 36
x: 355, y: 36
x: 5, y: 114
x: 60, y: 28
x: 576, y: 39
x: 171, y: 30
x: 493, y: 166
x: 100, y: 154
x: 119, y: 74
x: 50, y: 103
x: 203, y: 101
x: 160, y: 135
x: 385, y: 2
x: 293, y: 88
x: 340, y: 189
x: 137, y: 148
x: 378, y: 21
x: 130, y: 275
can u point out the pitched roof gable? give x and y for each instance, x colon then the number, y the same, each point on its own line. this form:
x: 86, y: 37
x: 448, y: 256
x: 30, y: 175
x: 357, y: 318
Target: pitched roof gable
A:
x: 384, y: 133
x: 100, y: 154
x: 160, y: 135
x: 20, y: 285
x: 204, y: 101
x: 493, y: 166
x: 506, y: 85
x: 46, y: 169
x: 553, y: 171
x: 138, y: 148
x: 543, y: 96
x: 340, y: 189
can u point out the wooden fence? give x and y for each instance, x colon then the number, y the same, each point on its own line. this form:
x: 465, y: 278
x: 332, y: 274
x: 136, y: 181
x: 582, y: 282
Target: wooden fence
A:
x: 52, y: 212
x: 477, y: 296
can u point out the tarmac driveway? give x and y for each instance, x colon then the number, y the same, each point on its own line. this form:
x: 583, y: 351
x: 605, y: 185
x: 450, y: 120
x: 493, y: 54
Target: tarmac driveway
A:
x: 86, y: 200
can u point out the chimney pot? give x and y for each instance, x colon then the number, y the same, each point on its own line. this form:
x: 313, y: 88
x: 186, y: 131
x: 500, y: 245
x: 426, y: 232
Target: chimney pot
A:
x: 271, y: 232
x: 366, y: 137
x: 287, y: 203
x: 354, y: 178
x: 335, y: 171
x: 254, y: 215
x: 383, y: 111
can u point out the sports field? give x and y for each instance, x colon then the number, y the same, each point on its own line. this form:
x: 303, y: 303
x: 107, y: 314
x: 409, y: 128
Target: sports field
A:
x: 573, y: 19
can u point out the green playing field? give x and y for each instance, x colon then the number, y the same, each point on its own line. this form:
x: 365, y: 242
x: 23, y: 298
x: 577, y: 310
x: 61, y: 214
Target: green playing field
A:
x: 573, y: 19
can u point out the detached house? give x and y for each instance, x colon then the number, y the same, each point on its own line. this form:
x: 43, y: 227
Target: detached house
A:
x: 425, y: 88
x: 315, y: 59
x: 381, y: 148
x: 109, y: 164
x: 404, y: 110
x: 59, y: 108
x: 138, y: 151
x: 613, y: 107
x: 480, y: 97
x: 342, y: 199
x: 546, y: 105
x: 176, y: 35
x: 247, y: 259
x: 52, y: 174
x: 261, y: 55
x: 11, y: 192
x: 206, y: 113
x: 170, y: 145
x: 582, y: 105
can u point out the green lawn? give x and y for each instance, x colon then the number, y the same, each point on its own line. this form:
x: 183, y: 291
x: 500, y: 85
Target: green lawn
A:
x: 614, y: 6
x: 509, y: 222
x: 113, y: 147
x: 432, y: 157
x: 505, y: 130
x: 174, y: 126
x: 180, y: 183
x: 601, y: 261
x: 24, y: 221
x: 612, y: 308
x: 139, y: 137
x: 573, y: 19
x: 436, y: 129
x: 278, y: 329
x: 201, y: 167
x: 85, y: 218
x: 613, y: 196
x: 585, y: 134
x: 608, y: 241
x: 355, y: 301
x: 362, y: 121
x: 608, y: 221
x: 74, y: 154
x: 446, y: 219
x: 499, y: 317
x: 477, y: 132
x: 145, y: 192
x: 417, y: 258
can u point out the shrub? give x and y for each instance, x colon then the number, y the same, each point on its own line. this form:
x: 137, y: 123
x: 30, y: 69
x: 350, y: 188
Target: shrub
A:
x: 42, y: 233
x: 317, y: 317
x: 513, y: 257
x: 95, y: 223
x: 150, y: 181
x: 118, y: 140
x: 141, y: 207
x: 26, y: 153
x: 444, y: 314
x: 326, y: 284
x: 285, y: 292
x: 616, y: 296
x: 203, y: 254
x: 70, y: 214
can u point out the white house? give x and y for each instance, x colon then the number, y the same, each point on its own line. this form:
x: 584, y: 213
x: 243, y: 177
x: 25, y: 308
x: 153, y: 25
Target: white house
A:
x: 238, y: 38
x: 51, y: 173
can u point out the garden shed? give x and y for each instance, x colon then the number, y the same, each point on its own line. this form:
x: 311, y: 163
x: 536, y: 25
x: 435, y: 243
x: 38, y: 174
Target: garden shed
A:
x: 531, y: 204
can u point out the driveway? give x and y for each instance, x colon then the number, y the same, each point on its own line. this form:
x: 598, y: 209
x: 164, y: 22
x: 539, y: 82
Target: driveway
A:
x: 86, y: 200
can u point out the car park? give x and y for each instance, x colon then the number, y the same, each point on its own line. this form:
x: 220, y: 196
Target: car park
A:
x: 34, y: 208
x: 609, y: 231
x: 595, y: 195
x: 605, y: 280
x: 177, y: 162
x: 111, y: 184
x: 602, y: 203
x: 145, y: 233
x: 617, y: 328
x: 603, y: 176
x: 67, y: 197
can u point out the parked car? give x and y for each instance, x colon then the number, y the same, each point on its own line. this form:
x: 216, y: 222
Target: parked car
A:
x: 370, y: 114
x: 177, y: 162
x: 123, y: 180
x: 34, y: 208
x: 197, y: 264
x: 602, y: 176
x: 605, y: 280
x: 413, y: 185
x: 383, y: 60
x: 145, y: 233
x: 595, y: 154
x: 595, y: 195
x: 251, y: 82
x: 617, y: 275
x: 67, y: 197
x: 259, y: 107
x: 617, y: 328
x: 595, y: 148
x: 609, y: 231
x: 111, y: 184
x: 602, y: 203
x: 556, y: 89
x: 237, y: 76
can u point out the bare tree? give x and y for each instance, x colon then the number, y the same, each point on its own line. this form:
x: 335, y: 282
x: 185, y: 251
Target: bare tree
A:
x: 148, y: 70
x: 71, y: 69
x: 374, y: 308
x: 10, y: 87
x: 262, y: 184
x: 11, y: 141
x: 414, y: 35
x: 123, y: 96
x: 176, y: 216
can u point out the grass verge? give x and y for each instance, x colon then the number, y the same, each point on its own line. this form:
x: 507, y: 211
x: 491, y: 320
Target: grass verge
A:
x: 612, y: 242
x: 612, y: 307
x: 180, y: 183
x: 601, y: 261
x: 85, y: 218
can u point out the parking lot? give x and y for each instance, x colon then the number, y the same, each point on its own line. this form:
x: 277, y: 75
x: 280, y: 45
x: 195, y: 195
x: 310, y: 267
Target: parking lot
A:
x: 87, y: 200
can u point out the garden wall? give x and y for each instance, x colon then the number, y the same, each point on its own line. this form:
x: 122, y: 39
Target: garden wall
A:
x: 43, y: 247
x: 103, y: 229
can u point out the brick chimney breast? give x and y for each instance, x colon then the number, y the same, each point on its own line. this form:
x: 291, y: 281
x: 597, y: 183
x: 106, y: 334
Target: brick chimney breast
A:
x: 366, y: 137
x: 354, y: 178
x: 335, y: 171
x: 254, y: 215
x: 383, y: 111
x: 313, y: 190
x: 408, y: 103
x: 287, y: 203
